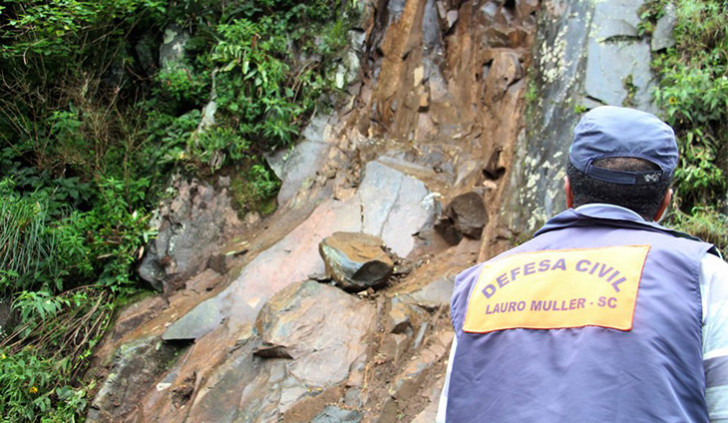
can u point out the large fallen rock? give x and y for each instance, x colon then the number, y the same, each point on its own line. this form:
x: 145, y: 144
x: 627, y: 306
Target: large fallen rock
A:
x: 464, y: 216
x: 356, y: 261
x: 392, y: 206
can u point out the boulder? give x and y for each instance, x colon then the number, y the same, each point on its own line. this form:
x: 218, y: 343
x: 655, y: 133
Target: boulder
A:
x: 662, y: 37
x: 172, y: 50
x: 464, y: 216
x: 404, y: 317
x: 392, y: 206
x: 190, y: 228
x: 356, y: 261
x: 436, y: 294
x: 389, y: 205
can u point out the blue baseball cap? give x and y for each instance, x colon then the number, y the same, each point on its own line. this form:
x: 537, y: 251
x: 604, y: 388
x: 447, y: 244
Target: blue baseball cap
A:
x: 609, y: 131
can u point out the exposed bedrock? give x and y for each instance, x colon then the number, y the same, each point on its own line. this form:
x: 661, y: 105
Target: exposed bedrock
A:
x: 586, y: 54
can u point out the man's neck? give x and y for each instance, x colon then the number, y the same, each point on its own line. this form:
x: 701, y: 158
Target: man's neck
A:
x: 587, y: 206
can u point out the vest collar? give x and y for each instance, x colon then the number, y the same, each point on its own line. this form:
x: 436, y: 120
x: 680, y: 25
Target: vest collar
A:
x: 609, y: 215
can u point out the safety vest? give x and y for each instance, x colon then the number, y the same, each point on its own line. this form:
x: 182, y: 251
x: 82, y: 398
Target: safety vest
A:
x: 597, y: 319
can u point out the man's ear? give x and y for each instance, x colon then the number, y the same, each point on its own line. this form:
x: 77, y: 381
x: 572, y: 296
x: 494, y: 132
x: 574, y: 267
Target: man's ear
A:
x: 569, y: 194
x: 663, y: 205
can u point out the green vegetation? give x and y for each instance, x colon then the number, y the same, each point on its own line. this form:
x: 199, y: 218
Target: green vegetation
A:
x: 693, y: 92
x: 91, y: 128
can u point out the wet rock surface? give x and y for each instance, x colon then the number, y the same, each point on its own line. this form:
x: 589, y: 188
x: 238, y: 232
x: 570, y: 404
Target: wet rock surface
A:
x: 356, y: 261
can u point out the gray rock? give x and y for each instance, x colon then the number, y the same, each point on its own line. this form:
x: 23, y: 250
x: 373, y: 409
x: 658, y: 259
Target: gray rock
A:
x: 134, y: 369
x: 334, y: 414
x: 319, y: 129
x: 586, y: 51
x: 191, y: 226
x: 609, y: 83
x: 436, y: 294
x: 301, y: 166
x: 431, y: 33
x: 201, y: 320
x: 394, y: 10
x: 208, y: 115
x: 389, y: 205
x: 452, y: 17
x: 151, y: 269
x: 277, y: 161
x: 618, y: 64
x: 356, y: 39
x: 172, y: 50
x: 616, y: 18
x: 393, y: 206
x: 489, y: 9
x: 662, y: 37
x: 290, y: 260
x: 356, y: 261
x: 464, y: 216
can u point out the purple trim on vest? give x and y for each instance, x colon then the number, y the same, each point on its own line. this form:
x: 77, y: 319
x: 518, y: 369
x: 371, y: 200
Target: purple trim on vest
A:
x: 653, y: 373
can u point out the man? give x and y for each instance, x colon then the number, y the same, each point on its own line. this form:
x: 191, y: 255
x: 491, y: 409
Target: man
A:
x: 604, y: 316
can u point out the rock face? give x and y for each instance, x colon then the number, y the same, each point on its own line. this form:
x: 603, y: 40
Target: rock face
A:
x: 323, y: 345
x: 305, y: 159
x: 191, y: 226
x: 590, y: 55
x: 135, y: 367
x: 356, y: 261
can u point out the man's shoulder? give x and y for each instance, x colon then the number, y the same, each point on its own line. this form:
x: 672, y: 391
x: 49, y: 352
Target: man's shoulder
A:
x: 714, y: 266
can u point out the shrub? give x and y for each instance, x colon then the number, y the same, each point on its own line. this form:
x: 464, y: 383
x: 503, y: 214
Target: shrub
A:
x: 693, y: 92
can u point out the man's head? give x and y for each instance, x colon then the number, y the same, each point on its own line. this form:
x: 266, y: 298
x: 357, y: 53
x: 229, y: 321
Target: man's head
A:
x: 624, y: 157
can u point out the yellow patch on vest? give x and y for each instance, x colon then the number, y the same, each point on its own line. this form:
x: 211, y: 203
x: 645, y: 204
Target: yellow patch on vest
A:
x: 558, y: 289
